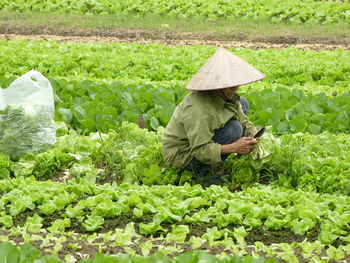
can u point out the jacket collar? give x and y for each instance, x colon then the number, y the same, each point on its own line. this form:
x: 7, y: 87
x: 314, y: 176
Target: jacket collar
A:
x: 218, y: 99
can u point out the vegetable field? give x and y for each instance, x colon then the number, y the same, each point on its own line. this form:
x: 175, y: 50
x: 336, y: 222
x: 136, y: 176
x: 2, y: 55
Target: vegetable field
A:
x: 295, y: 11
x: 102, y: 193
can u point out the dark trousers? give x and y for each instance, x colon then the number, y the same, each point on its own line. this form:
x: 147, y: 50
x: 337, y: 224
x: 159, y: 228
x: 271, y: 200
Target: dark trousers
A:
x: 231, y: 132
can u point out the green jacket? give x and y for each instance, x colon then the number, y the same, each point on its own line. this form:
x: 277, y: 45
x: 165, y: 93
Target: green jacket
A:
x: 193, y: 124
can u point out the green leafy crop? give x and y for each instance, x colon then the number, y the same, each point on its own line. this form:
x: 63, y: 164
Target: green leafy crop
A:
x: 295, y: 11
x: 21, y: 132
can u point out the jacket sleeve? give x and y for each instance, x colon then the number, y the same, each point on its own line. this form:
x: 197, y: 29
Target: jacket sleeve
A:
x: 199, y: 134
x: 248, y: 127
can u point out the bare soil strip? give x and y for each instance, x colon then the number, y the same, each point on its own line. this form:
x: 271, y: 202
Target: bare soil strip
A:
x: 170, y: 40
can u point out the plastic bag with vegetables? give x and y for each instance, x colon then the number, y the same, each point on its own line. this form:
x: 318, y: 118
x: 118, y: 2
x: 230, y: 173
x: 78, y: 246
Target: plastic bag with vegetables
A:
x: 27, y: 116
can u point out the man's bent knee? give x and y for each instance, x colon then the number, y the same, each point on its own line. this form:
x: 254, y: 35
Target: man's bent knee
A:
x: 235, y: 131
x: 230, y: 133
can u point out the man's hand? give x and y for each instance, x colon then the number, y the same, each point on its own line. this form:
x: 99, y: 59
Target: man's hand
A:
x: 243, y: 145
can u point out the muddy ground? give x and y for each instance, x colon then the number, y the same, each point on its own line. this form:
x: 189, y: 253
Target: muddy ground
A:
x: 174, y: 38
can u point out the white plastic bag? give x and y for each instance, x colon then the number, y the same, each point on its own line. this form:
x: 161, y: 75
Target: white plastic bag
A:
x: 27, y: 116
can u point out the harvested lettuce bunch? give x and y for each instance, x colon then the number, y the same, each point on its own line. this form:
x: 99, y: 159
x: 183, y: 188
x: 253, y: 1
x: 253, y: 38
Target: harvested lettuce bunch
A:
x: 247, y: 168
x: 21, y: 132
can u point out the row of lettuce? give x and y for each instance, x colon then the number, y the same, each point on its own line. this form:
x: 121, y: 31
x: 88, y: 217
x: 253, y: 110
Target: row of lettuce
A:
x: 131, y: 246
x: 29, y: 254
x: 85, y: 206
x: 183, y: 214
x: 133, y: 155
x: 153, y: 62
x: 90, y: 107
x: 295, y: 12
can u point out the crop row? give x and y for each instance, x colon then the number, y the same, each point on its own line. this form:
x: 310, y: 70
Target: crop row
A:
x: 296, y: 11
x: 12, y: 253
x: 284, y: 109
x: 127, y: 246
x: 148, y: 63
x: 176, y: 213
x: 130, y: 154
x: 89, y: 107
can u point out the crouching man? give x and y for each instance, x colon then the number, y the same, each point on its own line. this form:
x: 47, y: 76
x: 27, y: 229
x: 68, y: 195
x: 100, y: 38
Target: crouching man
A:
x: 211, y: 122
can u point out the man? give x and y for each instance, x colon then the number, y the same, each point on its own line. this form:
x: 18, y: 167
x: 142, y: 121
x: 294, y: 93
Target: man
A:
x: 211, y: 122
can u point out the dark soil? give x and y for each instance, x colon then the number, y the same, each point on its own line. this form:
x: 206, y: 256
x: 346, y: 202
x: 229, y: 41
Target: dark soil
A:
x: 283, y: 38
x: 269, y: 237
x: 173, y: 39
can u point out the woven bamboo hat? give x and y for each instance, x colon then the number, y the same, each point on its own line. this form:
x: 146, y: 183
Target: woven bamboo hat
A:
x: 224, y: 70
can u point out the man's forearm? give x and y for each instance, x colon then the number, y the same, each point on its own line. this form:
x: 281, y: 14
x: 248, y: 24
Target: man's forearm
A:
x: 228, y: 148
x: 243, y: 145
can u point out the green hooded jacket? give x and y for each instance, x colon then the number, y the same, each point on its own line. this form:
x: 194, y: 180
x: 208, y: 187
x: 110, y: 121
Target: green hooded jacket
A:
x: 193, y: 124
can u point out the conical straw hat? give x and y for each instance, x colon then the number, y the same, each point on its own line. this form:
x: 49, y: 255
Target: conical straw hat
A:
x: 224, y: 70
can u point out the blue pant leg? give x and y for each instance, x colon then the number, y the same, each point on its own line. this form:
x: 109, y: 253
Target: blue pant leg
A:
x: 245, y: 105
x: 231, y: 132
